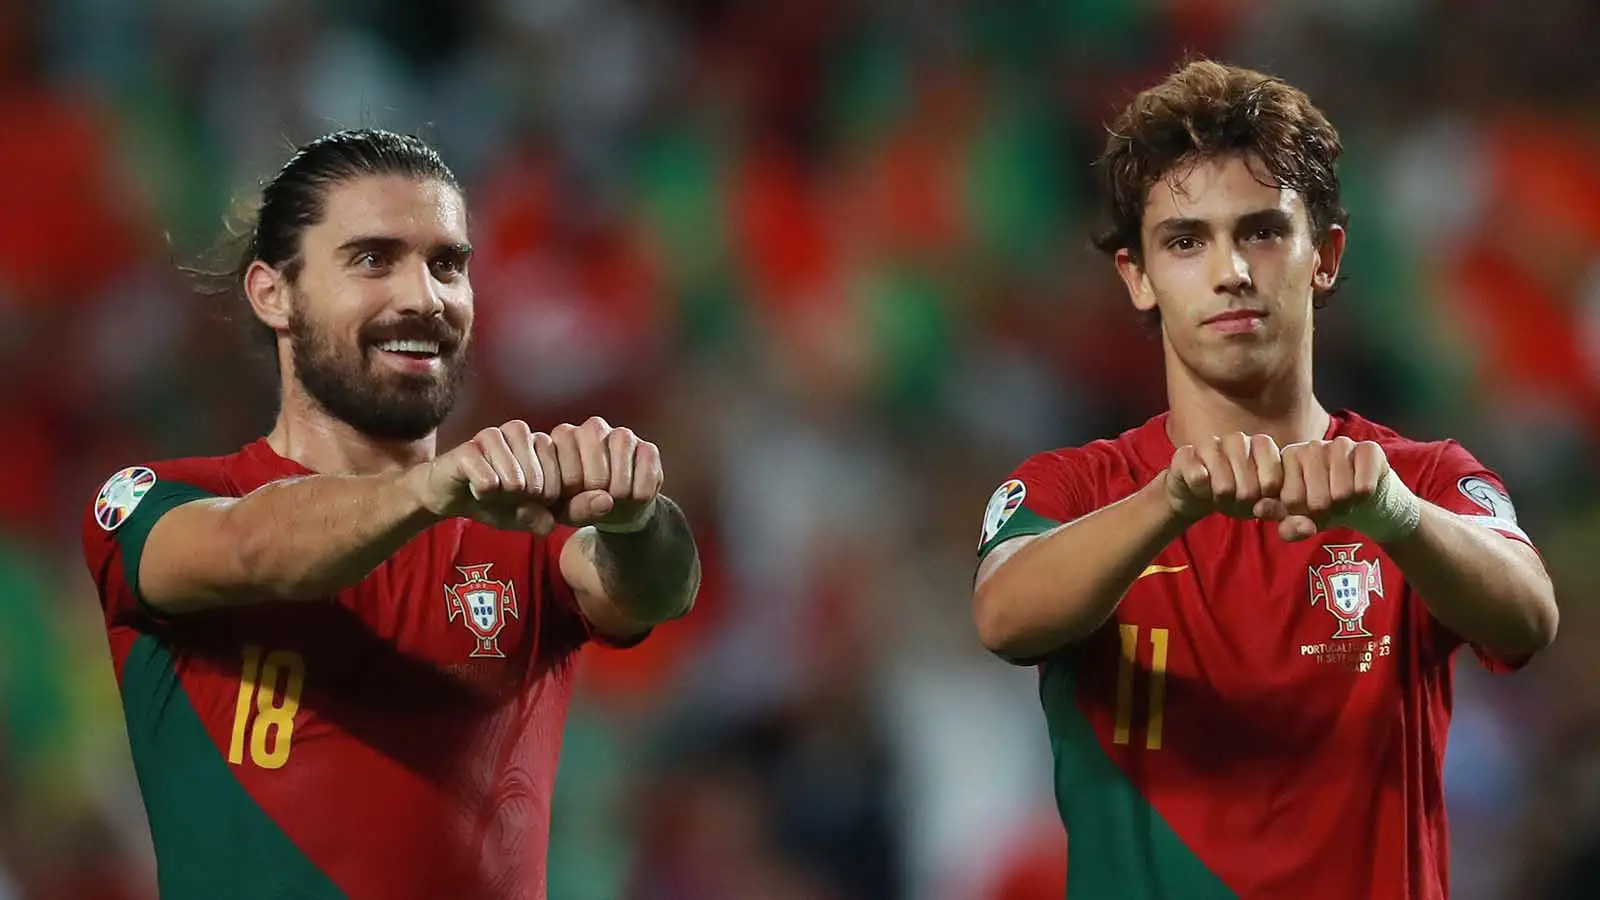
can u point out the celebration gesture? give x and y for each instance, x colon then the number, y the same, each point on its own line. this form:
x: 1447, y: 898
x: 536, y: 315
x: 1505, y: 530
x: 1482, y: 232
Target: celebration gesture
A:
x: 1305, y: 487
x: 512, y: 477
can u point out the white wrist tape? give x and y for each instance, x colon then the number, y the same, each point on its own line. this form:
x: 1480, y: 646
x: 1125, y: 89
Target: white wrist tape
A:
x: 639, y: 523
x: 1391, y: 513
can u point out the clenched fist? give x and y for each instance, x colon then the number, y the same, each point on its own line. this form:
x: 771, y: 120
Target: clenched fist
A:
x: 512, y: 477
x: 1304, y: 487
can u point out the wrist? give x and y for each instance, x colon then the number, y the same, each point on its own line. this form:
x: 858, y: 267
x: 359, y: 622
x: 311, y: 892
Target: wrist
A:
x: 1391, y: 514
x: 1178, y: 514
x: 413, y: 482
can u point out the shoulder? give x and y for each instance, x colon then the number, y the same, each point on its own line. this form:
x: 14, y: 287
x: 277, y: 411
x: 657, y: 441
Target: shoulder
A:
x: 1052, y: 487
x: 1417, y: 460
x: 1104, y: 458
x: 1447, y: 474
x: 145, y: 490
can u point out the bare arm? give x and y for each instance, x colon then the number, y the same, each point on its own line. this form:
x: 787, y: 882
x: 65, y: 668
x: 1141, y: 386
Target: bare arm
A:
x: 628, y: 582
x: 1037, y: 594
x: 297, y: 539
x: 306, y: 538
x: 1491, y: 590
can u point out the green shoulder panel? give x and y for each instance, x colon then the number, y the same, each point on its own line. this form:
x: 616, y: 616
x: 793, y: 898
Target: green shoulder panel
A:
x: 1008, y: 516
x: 131, y: 535
x: 211, y: 838
x: 1119, y: 847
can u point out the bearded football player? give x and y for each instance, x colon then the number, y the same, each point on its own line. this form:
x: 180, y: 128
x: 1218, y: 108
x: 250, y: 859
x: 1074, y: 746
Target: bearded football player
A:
x: 345, y: 657
x: 1244, y: 612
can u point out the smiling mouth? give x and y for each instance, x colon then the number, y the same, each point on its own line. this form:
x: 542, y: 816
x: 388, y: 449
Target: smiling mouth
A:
x: 412, y: 349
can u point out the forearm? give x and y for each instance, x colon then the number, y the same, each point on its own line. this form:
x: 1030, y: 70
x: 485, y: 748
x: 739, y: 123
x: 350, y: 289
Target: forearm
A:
x: 650, y: 575
x: 1481, y: 585
x: 310, y: 537
x: 1061, y: 586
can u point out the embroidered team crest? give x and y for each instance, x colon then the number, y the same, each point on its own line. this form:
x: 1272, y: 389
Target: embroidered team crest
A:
x: 1007, y: 499
x: 1346, y: 585
x: 121, y: 494
x: 484, y: 604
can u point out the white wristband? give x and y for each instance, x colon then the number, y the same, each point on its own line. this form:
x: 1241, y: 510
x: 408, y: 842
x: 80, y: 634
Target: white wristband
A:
x: 639, y: 523
x: 1390, y: 514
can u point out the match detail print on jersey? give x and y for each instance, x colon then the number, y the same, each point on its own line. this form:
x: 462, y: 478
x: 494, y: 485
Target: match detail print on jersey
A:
x: 120, y: 496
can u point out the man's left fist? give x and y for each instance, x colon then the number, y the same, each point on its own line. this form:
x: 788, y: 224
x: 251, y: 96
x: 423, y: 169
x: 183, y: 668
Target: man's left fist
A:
x: 1339, y: 483
x: 598, y: 475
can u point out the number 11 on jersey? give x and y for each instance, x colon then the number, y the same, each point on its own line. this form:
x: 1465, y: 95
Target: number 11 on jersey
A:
x: 1127, y: 665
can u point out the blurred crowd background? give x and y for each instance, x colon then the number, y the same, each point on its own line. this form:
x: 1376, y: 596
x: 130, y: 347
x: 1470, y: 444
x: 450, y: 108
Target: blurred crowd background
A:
x: 832, y: 255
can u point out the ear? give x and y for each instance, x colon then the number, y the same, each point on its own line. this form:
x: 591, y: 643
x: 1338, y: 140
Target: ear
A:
x: 268, y: 292
x: 1329, y: 255
x: 1136, y: 281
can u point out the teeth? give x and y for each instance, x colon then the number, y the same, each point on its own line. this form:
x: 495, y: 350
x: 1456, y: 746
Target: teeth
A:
x: 428, y: 347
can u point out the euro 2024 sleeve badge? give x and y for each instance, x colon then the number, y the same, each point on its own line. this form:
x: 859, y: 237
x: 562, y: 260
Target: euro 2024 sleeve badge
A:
x: 1005, y: 501
x: 120, y: 496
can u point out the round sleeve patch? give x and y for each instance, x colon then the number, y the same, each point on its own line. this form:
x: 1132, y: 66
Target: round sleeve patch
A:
x: 120, y: 496
x: 1007, y: 499
x: 1493, y: 500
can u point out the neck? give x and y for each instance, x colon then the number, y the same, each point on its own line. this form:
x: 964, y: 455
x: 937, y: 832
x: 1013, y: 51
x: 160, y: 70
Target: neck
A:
x: 307, y: 434
x: 1286, y: 409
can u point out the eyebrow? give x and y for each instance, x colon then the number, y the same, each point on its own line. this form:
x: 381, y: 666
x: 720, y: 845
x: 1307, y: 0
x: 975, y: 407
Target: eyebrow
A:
x: 391, y: 244
x: 1252, y: 219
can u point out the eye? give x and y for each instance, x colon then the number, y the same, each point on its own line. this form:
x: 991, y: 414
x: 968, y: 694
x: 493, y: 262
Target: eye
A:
x: 1183, y: 243
x: 1265, y: 233
x: 368, y: 259
x: 448, y: 267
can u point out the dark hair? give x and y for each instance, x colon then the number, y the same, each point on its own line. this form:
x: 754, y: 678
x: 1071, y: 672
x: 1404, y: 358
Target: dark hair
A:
x: 1206, y: 109
x: 271, y: 227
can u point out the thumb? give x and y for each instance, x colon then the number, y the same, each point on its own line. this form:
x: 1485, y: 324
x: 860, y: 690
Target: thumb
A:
x: 590, y: 506
x: 536, y: 518
x: 1296, y: 528
x: 1270, y: 509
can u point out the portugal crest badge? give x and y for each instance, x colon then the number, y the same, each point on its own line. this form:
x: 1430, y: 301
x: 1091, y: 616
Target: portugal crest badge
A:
x: 485, y: 604
x: 1346, y: 585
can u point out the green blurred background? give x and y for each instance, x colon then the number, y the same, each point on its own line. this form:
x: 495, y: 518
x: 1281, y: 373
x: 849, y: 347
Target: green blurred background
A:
x: 832, y: 255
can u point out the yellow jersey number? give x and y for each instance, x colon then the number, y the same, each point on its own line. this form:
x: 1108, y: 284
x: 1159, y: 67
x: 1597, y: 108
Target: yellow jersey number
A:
x: 1126, y: 667
x: 269, y: 733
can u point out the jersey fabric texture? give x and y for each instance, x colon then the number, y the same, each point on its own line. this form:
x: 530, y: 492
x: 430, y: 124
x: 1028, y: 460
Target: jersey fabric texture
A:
x: 397, y: 740
x: 1258, y: 719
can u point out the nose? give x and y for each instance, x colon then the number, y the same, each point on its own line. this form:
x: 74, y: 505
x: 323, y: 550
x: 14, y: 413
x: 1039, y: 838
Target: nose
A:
x: 418, y: 293
x: 1232, y: 270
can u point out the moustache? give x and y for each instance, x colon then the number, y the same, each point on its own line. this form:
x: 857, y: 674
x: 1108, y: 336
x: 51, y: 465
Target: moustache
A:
x: 436, y: 330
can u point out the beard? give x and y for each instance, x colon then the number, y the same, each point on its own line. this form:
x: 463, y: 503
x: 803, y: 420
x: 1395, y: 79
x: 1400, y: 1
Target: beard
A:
x: 350, y: 385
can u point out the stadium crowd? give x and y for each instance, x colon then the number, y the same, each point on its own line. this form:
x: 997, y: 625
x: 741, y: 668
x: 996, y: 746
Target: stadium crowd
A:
x: 833, y: 256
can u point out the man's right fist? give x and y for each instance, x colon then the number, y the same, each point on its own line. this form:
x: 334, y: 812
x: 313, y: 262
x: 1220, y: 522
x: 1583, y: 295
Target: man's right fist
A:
x: 514, y: 478
x: 1229, y: 474
x: 494, y: 478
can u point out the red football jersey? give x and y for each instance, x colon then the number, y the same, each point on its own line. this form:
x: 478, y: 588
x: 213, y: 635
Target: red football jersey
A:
x: 1259, y: 719
x: 398, y: 740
